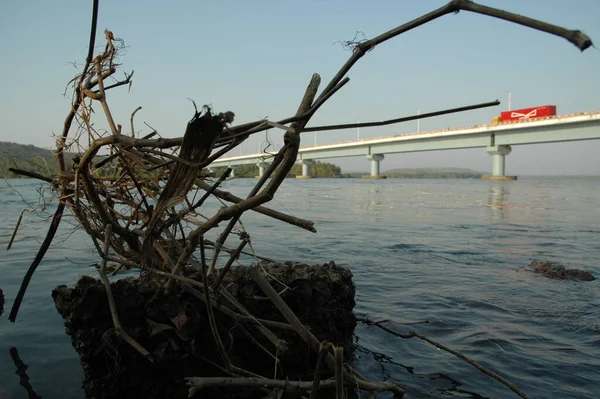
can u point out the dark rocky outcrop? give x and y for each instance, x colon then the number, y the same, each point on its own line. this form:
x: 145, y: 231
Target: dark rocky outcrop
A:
x: 175, y: 329
x: 558, y: 271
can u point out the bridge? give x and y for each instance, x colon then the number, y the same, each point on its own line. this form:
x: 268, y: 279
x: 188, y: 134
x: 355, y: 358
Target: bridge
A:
x: 496, y: 138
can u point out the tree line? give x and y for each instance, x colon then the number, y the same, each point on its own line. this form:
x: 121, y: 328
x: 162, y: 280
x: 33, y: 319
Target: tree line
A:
x: 317, y: 169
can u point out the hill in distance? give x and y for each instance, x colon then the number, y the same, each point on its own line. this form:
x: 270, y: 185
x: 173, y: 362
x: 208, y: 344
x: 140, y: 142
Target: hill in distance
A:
x: 28, y: 157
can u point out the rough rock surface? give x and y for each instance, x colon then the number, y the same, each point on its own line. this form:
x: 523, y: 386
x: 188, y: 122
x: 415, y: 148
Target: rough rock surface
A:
x: 558, y: 271
x: 175, y: 329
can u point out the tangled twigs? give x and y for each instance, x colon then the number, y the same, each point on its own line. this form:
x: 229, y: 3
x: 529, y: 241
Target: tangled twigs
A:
x: 413, y: 334
x: 352, y: 377
x: 198, y: 141
x: 136, y: 195
x: 111, y: 300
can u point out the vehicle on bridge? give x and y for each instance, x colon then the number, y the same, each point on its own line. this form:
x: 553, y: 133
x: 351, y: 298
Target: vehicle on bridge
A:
x: 525, y: 114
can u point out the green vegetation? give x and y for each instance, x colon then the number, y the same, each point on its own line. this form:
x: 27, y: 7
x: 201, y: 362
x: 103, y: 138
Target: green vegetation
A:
x: 28, y: 157
x: 37, y: 160
x: 434, y: 173
x: 317, y: 169
x: 250, y: 170
x: 430, y: 173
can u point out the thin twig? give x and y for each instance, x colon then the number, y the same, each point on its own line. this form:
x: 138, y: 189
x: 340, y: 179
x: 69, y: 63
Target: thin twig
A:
x: 338, y: 354
x: 403, y: 119
x: 412, y: 334
x: 14, y: 233
x: 323, y: 350
x: 131, y: 121
x: 111, y: 300
x: 230, y: 261
x: 211, y: 316
x: 311, y: 340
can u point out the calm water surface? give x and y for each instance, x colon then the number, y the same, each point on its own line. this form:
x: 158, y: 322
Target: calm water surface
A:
x: 446, y: 251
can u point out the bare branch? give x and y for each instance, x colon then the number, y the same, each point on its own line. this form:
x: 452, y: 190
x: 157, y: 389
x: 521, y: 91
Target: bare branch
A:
x: 412, y: 334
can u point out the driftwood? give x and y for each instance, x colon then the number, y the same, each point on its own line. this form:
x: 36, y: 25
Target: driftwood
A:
x: 22, y: 373
x: 139, y: 201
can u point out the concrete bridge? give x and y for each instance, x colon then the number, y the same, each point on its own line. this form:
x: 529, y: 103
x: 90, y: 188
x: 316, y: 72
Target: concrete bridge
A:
x: 497, y: 139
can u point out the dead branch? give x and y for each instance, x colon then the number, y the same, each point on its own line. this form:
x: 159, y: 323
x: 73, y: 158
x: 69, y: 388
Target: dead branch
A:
x: 36, y: 261
x: 136, y: 200
x: 31, y: 174
x: 209, y: 310
x: 131, y: 121
x: 413, y: 334
x: 293, y: 220
x: 22, y: 373
x: 404, y: 119
x: 196, y: 384
x: 312, y: 341
x: 111, y: 300
x: 14, y: 233
x: 323, y: 350
x: 574, y: 36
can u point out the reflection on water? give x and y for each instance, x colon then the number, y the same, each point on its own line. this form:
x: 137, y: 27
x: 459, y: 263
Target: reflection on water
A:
x: 442, y: 250
x: 498, y: 200
x: 374, y: 202
x: 22, y: 373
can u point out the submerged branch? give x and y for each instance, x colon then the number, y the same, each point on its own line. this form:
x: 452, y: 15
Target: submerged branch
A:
x: 413, y: 334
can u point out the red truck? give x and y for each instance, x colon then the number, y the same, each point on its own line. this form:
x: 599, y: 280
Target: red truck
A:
x: 528, y: 113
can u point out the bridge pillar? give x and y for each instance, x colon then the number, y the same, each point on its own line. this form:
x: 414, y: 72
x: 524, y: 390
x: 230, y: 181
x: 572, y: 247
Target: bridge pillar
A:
x: 375, y: 159
x: 261, y: 169
x: 305, y: 169
x: 232, y: 174
x: 498, y: 152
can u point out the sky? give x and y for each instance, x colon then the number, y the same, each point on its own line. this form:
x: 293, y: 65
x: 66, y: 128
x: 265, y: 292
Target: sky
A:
x: 256, y: 57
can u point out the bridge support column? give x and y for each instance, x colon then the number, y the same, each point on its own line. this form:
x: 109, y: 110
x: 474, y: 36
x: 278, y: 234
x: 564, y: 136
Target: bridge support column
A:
x: 375, y: 159
x: 498, y: 152
x: 232, y: 174
x: 261, y: 169
x: 305, y: 169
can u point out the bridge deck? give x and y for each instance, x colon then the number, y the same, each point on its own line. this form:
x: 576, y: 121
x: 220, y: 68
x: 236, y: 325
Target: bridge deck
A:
x: 539, y: 130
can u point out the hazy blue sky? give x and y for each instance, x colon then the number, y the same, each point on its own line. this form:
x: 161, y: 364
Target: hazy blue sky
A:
x: 256, y: 57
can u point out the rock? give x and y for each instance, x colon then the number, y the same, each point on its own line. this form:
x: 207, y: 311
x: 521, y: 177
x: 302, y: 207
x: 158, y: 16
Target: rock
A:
x: 558, y: 271
x: 175, y: 329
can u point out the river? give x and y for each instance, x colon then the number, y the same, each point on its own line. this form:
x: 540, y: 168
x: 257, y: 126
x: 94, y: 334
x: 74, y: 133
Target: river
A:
x: 446, y: 251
